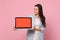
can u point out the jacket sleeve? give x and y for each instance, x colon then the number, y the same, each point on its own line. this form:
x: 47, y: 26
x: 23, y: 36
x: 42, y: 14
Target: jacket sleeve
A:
x: 42, y: 28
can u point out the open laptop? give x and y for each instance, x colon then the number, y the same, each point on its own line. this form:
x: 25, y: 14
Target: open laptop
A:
x: 23, y: 22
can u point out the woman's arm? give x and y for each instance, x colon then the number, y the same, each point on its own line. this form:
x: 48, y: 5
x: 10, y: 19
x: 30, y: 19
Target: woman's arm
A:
x: 42, y: 28
x: 36, y: 28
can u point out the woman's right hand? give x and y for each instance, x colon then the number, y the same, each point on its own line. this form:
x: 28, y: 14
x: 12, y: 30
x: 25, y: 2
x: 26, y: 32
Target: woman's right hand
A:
x: 37, y: 28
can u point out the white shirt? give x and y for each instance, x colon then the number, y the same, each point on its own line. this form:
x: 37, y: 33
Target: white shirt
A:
x: 37, y: 22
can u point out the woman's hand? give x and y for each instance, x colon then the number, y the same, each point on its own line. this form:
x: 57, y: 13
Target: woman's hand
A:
x: 37, y: 28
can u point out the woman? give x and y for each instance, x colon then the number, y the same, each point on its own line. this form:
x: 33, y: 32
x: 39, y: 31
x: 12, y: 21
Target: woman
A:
x: 38, y: 24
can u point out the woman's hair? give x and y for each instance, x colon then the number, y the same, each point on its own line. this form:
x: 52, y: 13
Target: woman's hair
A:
x: 41, y: 14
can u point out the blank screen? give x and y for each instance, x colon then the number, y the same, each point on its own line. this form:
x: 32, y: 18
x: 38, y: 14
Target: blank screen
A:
x: 23, y: 22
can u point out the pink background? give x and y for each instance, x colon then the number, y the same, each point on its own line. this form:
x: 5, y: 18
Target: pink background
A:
x: 9, y: 9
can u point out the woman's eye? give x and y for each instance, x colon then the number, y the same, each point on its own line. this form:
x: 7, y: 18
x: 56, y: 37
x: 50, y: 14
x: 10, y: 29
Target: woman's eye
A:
x: 36, y: 9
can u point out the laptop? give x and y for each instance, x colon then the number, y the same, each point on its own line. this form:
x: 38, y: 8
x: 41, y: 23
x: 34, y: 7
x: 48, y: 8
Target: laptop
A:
x: 23, y: 22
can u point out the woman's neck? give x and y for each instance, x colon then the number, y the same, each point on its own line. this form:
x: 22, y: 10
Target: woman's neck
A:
x: 36, y: 15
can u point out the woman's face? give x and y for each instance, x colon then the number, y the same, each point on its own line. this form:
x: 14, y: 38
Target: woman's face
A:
x: 36, y: 10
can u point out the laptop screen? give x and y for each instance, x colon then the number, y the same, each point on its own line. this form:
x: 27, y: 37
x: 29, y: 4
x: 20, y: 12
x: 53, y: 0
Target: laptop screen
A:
x: 23, y: 22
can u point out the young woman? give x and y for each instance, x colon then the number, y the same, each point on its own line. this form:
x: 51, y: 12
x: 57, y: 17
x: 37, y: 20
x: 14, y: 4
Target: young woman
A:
x: 38, y: 24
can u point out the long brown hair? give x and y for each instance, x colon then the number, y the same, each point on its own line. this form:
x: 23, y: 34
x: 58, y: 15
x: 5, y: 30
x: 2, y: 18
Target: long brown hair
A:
x: 41, y: 14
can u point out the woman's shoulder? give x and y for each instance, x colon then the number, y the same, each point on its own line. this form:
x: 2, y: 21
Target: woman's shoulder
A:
x: 31, y: 15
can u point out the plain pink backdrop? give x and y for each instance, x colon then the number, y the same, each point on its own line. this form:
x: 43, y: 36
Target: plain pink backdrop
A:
x: 9, y: 9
